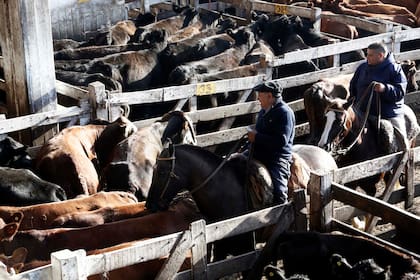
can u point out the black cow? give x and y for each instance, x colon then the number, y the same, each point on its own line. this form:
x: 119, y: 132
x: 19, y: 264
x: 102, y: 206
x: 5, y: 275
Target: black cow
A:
x: 20, y: 187
x: 171, y: 25
x: 13, y: 154
x: 232, y: 57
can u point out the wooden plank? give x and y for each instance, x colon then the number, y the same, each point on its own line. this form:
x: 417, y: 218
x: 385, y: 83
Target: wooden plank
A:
x: 266, y: 255
x: 70, y: 90
x: 185, y: 91
x: 226, y: 267
x: 39, y: 119
x: 362, y: 23
x: 247, y: 222
x: 365, y: 169
x: 199, y: 249
x: 44, y: 273
x: 327, y: 50
x: 408, y: 55
x: 139, y: 252
x: 343, y: 227
x: 403, y: 220
x: 67, y: 265
x: 407, y: 35
x: 282, y: 9
x: 177, y: 256
x: 371, y: 220
x: 37, y: 50
x: 346, y: 212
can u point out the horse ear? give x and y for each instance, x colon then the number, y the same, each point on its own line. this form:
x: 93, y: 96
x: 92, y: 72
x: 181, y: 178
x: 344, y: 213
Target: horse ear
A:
x: 349, y: 103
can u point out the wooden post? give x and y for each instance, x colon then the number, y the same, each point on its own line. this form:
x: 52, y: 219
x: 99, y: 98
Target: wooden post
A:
x: 299, y: 204
x: 28, y: 62
x: 97, y: 96
x: 177, y: 256
x: 67, y: 265
x: 316, y: 16
x: 199, y: 250
x: 321, y: 206
x: 409, y: 175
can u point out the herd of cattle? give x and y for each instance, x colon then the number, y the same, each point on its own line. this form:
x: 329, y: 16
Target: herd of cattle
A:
x: 86, y: 186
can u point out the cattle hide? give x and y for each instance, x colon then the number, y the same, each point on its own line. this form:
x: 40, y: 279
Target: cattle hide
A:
x: 13, y: 154
x: 41, y: 243
x: 133, y: 159
x: 69, y: 158
x: 41, y: 216
x: 138, y: 70
x: 244, y: 41
x: 101, y: 216
x: 22, y: 187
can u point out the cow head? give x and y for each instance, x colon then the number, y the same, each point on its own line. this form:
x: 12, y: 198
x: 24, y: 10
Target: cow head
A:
x: 13, y: 154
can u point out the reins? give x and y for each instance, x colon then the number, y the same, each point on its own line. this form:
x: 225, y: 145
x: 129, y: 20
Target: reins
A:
x: 347, y: 149
x: 195, y: 189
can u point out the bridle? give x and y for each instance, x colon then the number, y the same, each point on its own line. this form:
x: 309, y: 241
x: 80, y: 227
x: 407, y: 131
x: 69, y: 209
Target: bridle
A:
x: 172, y: 174
x: 344, y: 151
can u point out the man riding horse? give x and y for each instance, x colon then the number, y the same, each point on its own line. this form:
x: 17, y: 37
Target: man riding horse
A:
x: 272, y: 138
x: 390, y: 85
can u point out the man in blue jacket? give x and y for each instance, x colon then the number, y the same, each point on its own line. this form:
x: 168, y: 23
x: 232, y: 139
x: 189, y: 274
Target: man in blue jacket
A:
x: 272, y: 137
x: 390, y: 84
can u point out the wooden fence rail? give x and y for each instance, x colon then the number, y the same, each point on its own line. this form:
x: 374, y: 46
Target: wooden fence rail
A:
x: 68, y: 265
x: 325, y: 188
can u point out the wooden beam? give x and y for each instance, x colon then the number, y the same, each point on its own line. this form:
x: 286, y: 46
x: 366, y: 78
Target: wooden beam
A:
x: 403, y: 220
x: 343, y: 227
x: 365, y: 169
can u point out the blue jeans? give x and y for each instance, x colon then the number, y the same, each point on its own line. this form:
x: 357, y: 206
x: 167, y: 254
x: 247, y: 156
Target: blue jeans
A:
x: 280, y: 174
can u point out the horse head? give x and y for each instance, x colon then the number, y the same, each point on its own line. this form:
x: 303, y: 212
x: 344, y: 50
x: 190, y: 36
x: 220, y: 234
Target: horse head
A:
x: 339, y: 122
x: 179, y: 130
x: 161, y: 194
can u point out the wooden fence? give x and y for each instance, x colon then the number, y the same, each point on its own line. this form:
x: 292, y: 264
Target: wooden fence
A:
x: 68, y: 265
x: 324, y: 189
x: 96, y: 102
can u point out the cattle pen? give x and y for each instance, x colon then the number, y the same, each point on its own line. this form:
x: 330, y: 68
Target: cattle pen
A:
x: 96, y: 102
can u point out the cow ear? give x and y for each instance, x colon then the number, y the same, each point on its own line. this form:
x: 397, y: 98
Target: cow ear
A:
x: 349, y: 103
x: 254, y: 15
x: 8, y: 231
x: 19, y: 255
x: 229, y: 32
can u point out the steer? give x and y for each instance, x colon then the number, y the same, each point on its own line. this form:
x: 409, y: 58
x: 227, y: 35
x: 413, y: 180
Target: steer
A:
x: 42, y: 216
x: 20, y: 187
x: 41, y: 243
x: 69, y: 159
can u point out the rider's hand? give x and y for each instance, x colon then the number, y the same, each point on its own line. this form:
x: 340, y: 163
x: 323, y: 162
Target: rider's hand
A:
x: 251, y: 135
x: 379, y: 87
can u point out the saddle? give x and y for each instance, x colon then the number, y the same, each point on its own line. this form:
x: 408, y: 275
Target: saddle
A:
x: 259, y: 182
x: 390, y: 138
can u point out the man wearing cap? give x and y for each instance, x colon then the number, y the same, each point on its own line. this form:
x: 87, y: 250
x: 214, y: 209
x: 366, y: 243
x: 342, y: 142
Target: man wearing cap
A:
x: 273, y: 136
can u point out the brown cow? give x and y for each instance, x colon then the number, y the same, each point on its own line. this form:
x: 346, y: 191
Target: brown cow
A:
x: 101, y: 216
x: 67, y: 159
x: 41, y: 243
x: 42, y: 216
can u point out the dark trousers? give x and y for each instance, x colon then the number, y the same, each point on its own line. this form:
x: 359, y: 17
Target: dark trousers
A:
x: 280, y: 173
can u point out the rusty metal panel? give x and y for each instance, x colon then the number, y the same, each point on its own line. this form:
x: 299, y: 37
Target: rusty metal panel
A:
x: 75, y: 19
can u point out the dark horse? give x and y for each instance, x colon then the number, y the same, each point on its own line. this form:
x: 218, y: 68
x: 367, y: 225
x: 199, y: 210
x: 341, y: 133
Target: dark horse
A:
x: 353, y: 138
x: 218, y: 186
x: 220, y: 197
